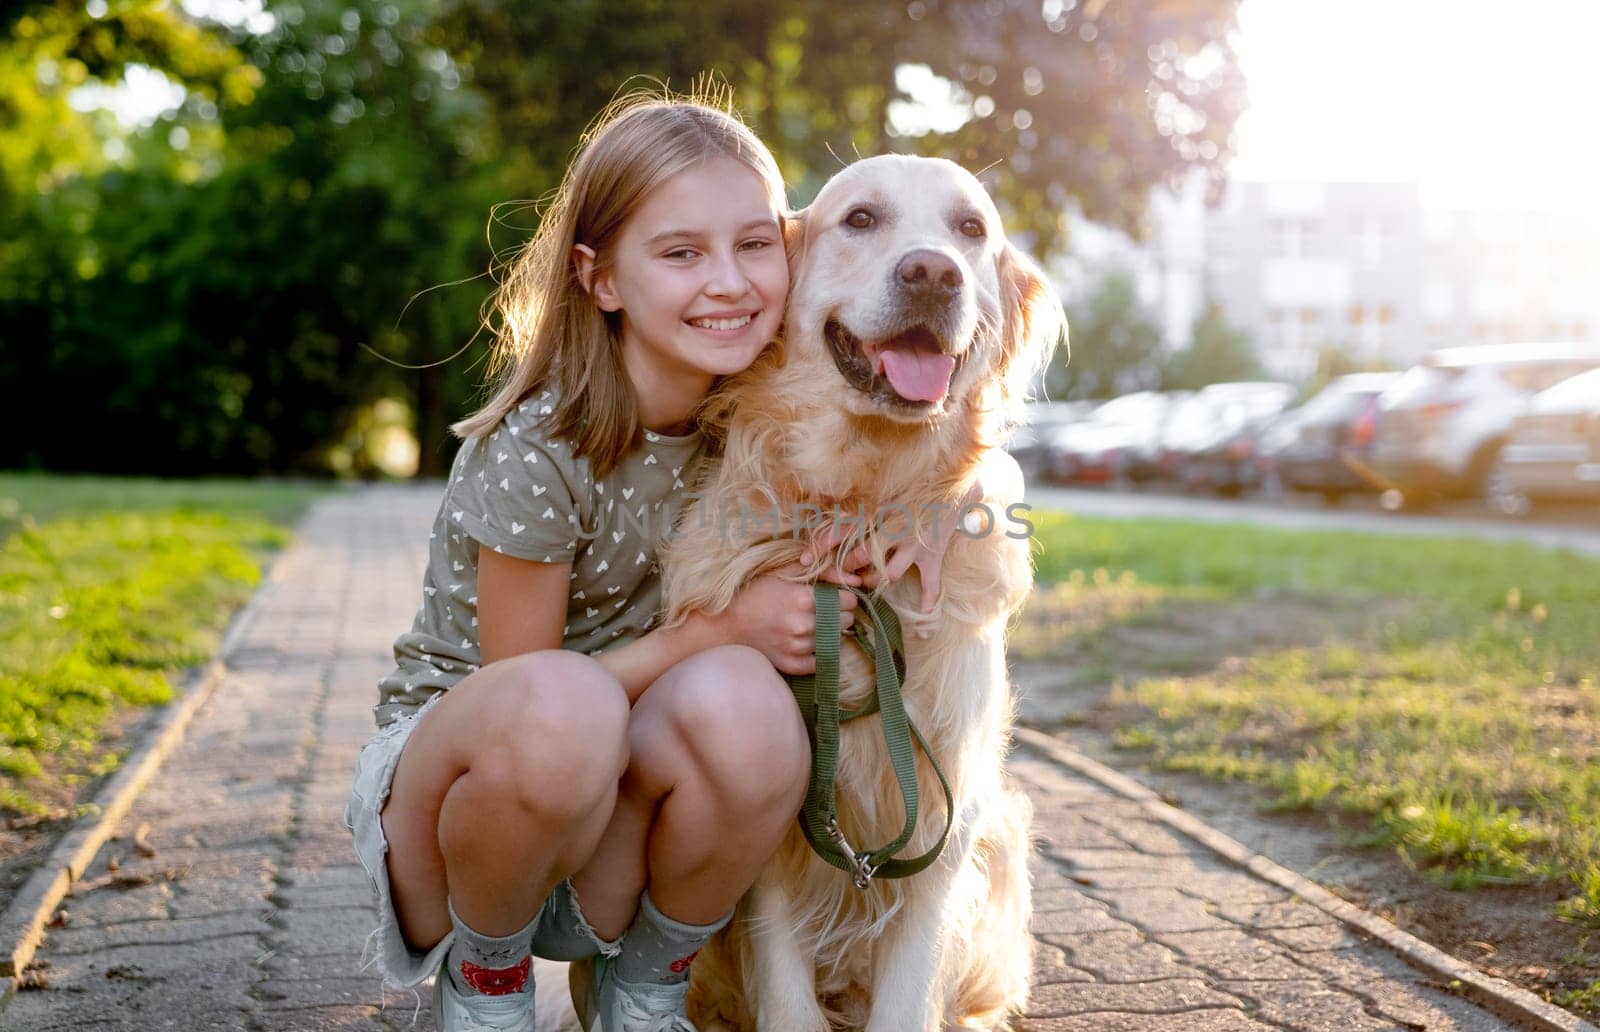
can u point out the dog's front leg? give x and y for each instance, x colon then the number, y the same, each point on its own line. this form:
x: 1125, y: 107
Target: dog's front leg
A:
x: 908, y: 958
x: 785, y: 990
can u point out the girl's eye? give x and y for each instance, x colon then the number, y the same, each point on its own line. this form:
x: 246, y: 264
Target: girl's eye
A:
x: 756, y: 244
x: 972, y: 228
x: 860, y: 218
x: 680, y: 253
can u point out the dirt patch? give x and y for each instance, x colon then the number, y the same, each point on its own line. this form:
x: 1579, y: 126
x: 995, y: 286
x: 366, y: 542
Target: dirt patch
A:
x: 1511, y: 933
x: 63, y: 788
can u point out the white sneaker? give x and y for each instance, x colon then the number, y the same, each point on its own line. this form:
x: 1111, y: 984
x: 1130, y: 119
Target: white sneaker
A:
x: 453, y: 1012
x: 620, y: 1006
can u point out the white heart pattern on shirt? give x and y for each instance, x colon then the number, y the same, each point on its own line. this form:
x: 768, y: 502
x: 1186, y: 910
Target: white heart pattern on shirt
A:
x: 516, y: 528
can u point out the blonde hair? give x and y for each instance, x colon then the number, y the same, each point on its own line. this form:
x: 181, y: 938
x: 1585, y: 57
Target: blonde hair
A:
x: 548, y: 330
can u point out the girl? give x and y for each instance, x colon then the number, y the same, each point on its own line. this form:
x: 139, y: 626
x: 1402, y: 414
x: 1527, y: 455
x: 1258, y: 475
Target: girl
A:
x: 550, y: 774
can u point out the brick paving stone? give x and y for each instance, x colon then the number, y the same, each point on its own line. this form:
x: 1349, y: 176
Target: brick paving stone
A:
x: 69, y: 941
x: 1047, y: 900
x: 1399, y: 991
x: 257, y: 913
x: 1211, y: 1019
x: 1166, y: 996
x: 1147, y: 836
x: 1284, y: 913
x: 336, y: 1018
x: 144, y: 903
x: 1308, y: 1006
x: 1315, y: 937
x: 1089, y: 862
x: 1119, y: 956
x: 296, y: 965
x: 1050, y: 965
x: 1159, y: 910
x: 1071, y: 922
x: 220, y: 894
x: 1231, y: 953
x: 1073, y: 831
x: 1235, y: 887
x: 327, y: 991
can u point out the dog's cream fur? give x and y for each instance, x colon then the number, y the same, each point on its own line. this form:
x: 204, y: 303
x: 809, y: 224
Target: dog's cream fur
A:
x: 948, y: 947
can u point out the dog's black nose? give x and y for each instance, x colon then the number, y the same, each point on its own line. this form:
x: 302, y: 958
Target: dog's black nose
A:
x: 929, y: 272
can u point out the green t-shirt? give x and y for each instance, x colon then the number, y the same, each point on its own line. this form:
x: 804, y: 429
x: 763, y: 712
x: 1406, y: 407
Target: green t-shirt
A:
x: 524, y: 494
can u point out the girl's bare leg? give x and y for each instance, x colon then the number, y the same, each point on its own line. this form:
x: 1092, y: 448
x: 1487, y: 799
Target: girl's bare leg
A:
x: 718, y: 766
x: 503, y: 790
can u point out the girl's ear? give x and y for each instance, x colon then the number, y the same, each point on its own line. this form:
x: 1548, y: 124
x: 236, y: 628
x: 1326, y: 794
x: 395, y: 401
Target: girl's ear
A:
x: 597, y: 284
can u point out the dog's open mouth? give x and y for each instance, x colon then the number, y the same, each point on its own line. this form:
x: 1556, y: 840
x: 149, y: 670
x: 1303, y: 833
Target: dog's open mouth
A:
x: 909, y: 369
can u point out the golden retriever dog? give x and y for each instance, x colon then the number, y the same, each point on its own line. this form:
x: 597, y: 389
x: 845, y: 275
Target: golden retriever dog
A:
x: 912, y: 332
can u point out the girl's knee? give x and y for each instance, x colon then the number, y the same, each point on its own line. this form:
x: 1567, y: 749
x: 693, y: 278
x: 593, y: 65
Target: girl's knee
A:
x: 557, y: 718
x: 740, y: 719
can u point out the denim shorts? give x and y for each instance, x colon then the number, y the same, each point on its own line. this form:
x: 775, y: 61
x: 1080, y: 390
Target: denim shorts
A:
x: 397, y: 962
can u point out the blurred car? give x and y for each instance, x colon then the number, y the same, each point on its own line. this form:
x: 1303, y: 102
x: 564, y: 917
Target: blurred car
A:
x: 1198, y: 420
x: 1311, y: 448
x: 1218, y: 452
x: 1096, y: 448
x: 1443, y: 423
x: 1553, y: 449
x: 1040, y: 420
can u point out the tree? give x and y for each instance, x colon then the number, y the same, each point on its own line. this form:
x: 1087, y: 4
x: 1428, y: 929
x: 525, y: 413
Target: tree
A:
x: 1062, y: 104
x: 218, y: 295
x: 216, y: 283
x: 1115, y: 346
x: 1218, y: 354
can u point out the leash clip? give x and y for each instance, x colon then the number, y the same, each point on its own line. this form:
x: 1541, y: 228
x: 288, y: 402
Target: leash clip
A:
x: 861, y: 872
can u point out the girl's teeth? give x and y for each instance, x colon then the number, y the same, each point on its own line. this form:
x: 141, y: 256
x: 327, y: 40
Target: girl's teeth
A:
x: 723, y: 324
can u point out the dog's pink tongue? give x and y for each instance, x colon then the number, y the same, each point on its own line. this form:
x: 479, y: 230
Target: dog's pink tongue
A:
x: 918, y: 375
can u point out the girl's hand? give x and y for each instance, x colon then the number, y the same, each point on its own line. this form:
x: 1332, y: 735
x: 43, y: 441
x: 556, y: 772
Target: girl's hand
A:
x: 925, y: 552
x: 776, y: 616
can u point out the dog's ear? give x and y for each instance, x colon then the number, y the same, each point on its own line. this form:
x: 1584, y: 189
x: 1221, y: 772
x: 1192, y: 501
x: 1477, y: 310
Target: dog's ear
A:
x: 794, y: 240
x: 1034, y: 325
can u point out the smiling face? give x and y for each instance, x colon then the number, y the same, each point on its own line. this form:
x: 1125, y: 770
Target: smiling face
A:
x: 901, y: 278
x: 698, y: 278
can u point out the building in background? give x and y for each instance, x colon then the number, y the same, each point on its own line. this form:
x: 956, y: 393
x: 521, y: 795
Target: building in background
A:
x: 1306, y: 266
x: 1361, y: 267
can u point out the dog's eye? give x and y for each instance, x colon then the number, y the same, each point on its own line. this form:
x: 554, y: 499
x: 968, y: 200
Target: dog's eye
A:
x: 972, y: 228
x: 860, y: 218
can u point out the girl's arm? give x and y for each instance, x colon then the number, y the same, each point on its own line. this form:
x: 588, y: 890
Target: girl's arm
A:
x: 522, y: 605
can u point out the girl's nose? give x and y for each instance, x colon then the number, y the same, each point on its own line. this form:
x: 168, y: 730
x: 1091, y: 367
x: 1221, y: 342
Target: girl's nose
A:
x: 728, y: 277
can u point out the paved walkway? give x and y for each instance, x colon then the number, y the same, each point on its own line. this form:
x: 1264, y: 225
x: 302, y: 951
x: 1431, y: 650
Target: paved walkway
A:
x: 251, y: 912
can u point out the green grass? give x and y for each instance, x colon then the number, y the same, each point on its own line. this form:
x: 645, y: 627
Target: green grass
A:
x: 108, y: 589
x: 1452, y: 709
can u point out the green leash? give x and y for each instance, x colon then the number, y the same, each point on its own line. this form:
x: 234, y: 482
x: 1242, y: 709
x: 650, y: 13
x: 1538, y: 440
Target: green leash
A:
x: 818, y: 698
